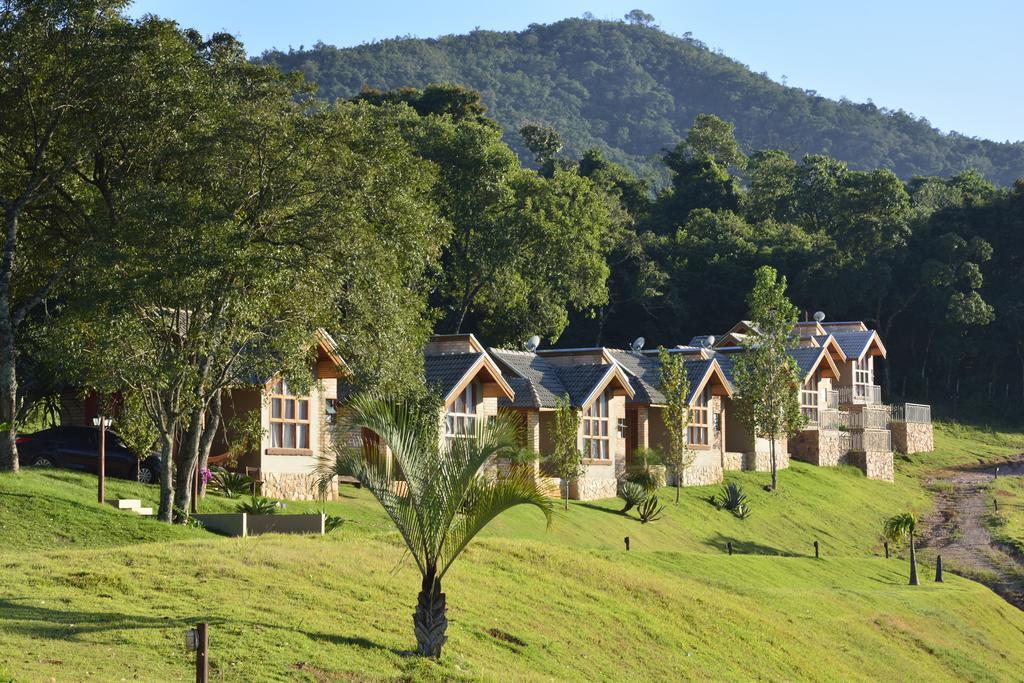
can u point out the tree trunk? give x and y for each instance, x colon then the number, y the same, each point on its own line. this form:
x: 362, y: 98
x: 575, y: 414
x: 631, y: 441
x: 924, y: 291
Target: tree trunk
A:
x: 913, y: 563
x: 166, y: 512
x: 771, y: 450
x: 678, y: 477
x: 188, y: 456
x: 429, y: 620
x: 206, y: 442
x: 8, y: 403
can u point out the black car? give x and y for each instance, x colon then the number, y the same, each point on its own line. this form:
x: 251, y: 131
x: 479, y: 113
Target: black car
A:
x: 78, y: 448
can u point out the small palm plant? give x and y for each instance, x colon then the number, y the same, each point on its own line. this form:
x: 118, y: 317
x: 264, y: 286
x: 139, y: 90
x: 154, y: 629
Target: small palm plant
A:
x: 900, y: 527
x: 443, y: 501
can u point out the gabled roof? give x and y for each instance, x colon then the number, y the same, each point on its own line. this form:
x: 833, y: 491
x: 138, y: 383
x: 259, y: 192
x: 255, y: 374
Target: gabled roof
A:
x: 645, y: 374
x: 446, y: 373
x: 539, y: 383
x: 856, y: 343
x: 810, y: 358
x: 829, y: 342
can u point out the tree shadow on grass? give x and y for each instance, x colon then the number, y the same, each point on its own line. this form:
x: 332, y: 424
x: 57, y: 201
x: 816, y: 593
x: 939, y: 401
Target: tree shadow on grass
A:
x: 721, y: 543
x: 45, y: 622
x: 39, y: 621
x: 611, y: 511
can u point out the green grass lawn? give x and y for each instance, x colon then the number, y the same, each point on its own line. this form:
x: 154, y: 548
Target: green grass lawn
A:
x: 92, y: 593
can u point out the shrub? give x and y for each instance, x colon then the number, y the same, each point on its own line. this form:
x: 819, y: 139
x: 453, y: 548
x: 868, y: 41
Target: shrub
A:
x: 331, y: 522
x: 259, y: 505
x: 633, y: 493
x: 230, y: 484
x: 649, y: 510
x: 734, y: 500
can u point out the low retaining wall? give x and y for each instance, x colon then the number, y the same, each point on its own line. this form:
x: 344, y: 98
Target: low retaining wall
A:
x: 874, y: 464
x: 762, y: 462
x: 821, y: 447
x: 593, y: 488
x: 295, y: 486
x: 912, y: 437
x: 244, y: 524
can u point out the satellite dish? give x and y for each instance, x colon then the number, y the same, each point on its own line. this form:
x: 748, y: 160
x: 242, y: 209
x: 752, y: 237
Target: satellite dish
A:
x: 819, y: 316
x: 637, y: 344
x: 532, y: 343
x: 711, y: 340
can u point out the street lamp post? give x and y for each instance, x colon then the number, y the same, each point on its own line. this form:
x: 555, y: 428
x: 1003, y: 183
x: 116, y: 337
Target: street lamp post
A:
x: 102, y: 422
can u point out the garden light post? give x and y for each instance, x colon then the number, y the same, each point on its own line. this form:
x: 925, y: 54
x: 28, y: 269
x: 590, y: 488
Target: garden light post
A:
x: 102, y: 422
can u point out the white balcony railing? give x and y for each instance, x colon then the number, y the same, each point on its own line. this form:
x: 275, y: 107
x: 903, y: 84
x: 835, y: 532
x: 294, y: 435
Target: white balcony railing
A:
x: 833, y: 419
x: 871, y: 440
x: 869, y: 419
x: 860, y: 394
x: 911, y: 412
x: 831, y: 400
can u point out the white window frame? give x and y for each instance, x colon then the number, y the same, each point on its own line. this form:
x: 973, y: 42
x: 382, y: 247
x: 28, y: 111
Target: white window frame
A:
x: 596, y: 428
x: 290, y: 418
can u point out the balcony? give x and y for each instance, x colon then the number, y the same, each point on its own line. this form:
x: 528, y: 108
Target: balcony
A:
x: 871, y: 440
x: 869, y: 419
x: 809, y: 406
x: 917, y: 413
x: 860, y: 394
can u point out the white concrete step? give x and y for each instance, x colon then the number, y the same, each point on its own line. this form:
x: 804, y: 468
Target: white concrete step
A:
x: 145, y: 512
x: 128, y: 504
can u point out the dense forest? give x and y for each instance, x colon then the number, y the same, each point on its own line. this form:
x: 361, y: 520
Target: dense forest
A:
x: 631, y: 90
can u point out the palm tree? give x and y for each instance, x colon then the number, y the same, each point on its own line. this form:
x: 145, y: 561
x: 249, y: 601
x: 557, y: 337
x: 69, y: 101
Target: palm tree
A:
x: 900, y: 527
x: 443, y: 501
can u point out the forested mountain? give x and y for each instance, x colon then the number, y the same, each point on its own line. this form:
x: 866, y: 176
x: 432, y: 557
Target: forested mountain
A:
x: 632, y: 91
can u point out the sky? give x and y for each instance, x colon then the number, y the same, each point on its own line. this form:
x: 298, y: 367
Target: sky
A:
x: 957, y: 64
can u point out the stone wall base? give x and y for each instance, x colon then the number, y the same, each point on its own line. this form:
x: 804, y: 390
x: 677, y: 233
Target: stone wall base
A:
x: 732, y: 461
x: 593, y: 489
x: 762, y: 462
x: 821, y: 447
x: 912, y: 437
x: 699, y: 476
x: 874, y: 464
x: 295, y: 486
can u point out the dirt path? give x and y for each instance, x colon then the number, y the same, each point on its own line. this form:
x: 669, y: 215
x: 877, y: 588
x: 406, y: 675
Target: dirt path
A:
x: 956, y: 529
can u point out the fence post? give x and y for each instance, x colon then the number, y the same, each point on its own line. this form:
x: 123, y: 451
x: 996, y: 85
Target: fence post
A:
x: 202, y: 654
x: 938, y: 569
x: 887, y: 550
x: 816, y: 554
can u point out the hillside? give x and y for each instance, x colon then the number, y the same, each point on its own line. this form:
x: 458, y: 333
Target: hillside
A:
x: 113, y: 601
x: 633, y: 91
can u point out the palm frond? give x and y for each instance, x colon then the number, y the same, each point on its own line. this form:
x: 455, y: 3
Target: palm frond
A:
x: 486, y: 500
x: 899, y: 527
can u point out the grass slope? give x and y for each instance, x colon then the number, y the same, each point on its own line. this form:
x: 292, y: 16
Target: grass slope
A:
x: 565, y: 604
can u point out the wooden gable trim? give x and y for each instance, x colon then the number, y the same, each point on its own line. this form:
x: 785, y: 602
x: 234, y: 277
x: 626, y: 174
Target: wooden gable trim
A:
x: 827, y: 357
x: 874, y: 347
x: 483, y: 363
x: 614, y: 373
x: 831, y: 343
x: 714, y: 371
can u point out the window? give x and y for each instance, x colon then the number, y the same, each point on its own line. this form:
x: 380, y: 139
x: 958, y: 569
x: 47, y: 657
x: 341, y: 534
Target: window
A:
x: 809, y: 399
x: 460, y: 420
x: 622, y: 428
x: 289, y: 418
x: 697, y: 432
x: 862, y: 375
x: 595, y: 429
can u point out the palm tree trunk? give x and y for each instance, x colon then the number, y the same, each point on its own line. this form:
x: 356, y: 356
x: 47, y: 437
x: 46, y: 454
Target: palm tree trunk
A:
x: 429, y: 621
x: 913, y: 563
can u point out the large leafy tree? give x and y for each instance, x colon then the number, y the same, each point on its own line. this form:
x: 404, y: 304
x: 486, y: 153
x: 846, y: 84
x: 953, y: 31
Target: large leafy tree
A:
x: 442, y: 502
x: 766, y: 377
x: 80, y: 88
x: 266, y: 217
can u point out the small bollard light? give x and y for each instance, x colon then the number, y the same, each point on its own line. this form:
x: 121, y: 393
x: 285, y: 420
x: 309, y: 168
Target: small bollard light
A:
x: 887, y: 550
x: 938, y: 569
x: 626, y: 540
x: 191, y: 640
x: 197, y: 640
x: 816, y: 553
x: 728, y: 545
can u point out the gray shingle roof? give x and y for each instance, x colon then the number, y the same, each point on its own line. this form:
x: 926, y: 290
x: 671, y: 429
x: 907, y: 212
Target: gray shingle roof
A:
x: 806, y: 357
x: 645, y: 375
x: 580, y: 380
x: 534, y: 380
x: 443, y: 372
x: 853, y: 343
